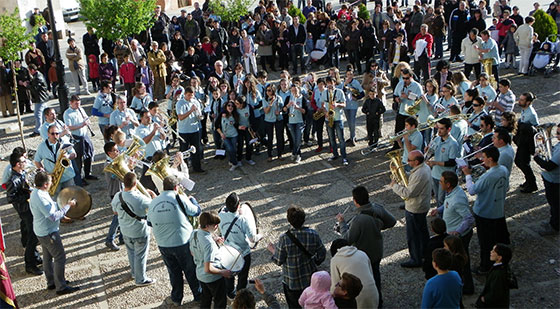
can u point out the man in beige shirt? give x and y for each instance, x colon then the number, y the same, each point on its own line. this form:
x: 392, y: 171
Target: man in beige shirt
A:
x: 417, y: 197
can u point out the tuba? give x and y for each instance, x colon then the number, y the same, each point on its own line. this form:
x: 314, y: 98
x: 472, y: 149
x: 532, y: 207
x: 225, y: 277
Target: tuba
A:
x: 487, y: 65
x: 396, y: 167
x: 119, y: 166
x: 62, y: 163
x: 543, y: 140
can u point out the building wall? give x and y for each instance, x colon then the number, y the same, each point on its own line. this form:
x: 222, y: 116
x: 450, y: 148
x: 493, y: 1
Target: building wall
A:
x: 26, y: 8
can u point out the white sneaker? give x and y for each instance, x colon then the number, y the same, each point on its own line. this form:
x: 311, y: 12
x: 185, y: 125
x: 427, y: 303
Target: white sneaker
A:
x: 239, y: 164
x: 344, y: 162
x: 146, y: 282
x: 332, y: 158
x: 251, y: 162
x: 232, y: 168
x: 298, y: 159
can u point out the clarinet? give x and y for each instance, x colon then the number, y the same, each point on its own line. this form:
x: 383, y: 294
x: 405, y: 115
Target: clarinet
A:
x: 90, y: 130
x: 72, y: 140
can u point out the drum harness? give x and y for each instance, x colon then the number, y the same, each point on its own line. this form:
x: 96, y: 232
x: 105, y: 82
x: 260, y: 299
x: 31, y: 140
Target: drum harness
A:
x: 126, y: 209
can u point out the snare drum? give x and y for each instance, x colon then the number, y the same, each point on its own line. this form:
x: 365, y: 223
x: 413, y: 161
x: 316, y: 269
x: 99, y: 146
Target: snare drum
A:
x: 230, y: 258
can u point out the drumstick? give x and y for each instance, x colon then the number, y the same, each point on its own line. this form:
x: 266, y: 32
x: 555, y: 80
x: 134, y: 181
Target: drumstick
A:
x: 234, y: 262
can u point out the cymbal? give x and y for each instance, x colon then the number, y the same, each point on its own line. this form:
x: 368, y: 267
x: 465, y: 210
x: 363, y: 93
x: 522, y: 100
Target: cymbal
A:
x: 83, y: 201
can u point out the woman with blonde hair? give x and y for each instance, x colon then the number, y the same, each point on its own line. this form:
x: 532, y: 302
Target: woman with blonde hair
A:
x: 461, y: 81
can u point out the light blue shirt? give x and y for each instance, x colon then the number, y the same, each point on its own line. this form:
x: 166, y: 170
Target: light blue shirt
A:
x: 529, y: 115
x: 338, y: 98
x: 448, y: 102
x: 554, y: 175
x: 138, y: 203
x: 488, y: 92
x: 204, y: 249
x: 294, y: 114
x: 170, y: 103
x: 104, y: 104
x: 189, y: 124
x: 237, y: 83
x: 417, y: 140
x: 283, y: 94
x: 118, y: 117
x: 459, y: 129
x: 491, y: 189
x: 44, y: 131
x: 414, y: 87
x: 45, y: 211
x: 276, y: 105
x: 7, y: 173
x: 155, y: 144
x: 444, y: 151
x: 456, y: 210
x: 73, y: 117
x: 352, y: 103
x: 138, y: 104
x: 170, y: 225
x: 493, y: 51
x: 506, y: 157
x: 463, y: 86
x: 254, y: 101
x: 474, y: 119
x: 239, y: 233
x: 244, y: 116
x: 228, y: 126
x: 47, y: 155
x: 424, y: 111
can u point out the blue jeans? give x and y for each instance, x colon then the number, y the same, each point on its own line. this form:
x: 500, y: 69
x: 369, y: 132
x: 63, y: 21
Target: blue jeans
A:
x: 296, y: 129
x: 439, y: 46
x: 113, y: 230
x: 230, y: 143
x: 416, y: 235
x: 38, y: 113
x: 351, y: 120
x: 137, y: 249
x: 338, y: 127
x: 179, y: 261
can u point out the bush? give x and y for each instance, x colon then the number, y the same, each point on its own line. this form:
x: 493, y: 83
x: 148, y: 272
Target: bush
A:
x: 545, y: 26
x: 294, y: 11
x: 363, y: 12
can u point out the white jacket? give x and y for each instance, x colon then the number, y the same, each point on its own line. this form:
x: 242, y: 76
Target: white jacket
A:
x: 524, y: 36
x: 350, y: 260
x: 467, y: 48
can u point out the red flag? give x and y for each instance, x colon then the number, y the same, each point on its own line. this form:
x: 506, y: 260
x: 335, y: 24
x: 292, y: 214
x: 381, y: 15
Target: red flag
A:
x: 7, y: 295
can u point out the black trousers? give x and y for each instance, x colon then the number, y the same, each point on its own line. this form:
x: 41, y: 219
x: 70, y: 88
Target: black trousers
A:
x: 244, y: 138
x: 241, y: 277
x: 377, y: 277
x: 422, y: 64
x: 146, y: 181
x: 81, y: 162
x: 552, y: 192
x: 496, y: 73
x: 354, y: 59
x: 292, y: 297
x: 523, y: 162
x: 319, y: 124
x: 399, y: 126
x: 192, y: 139
x: 277, y: 126
x: 472, y: 66
x: 28, y: 238
x: 468, y: 284
x: 285, y: 122
x: 456, y: 46
x: 490, y: 232
x: 373, y: 127
x: 308, y: 122
x: 213, y: 291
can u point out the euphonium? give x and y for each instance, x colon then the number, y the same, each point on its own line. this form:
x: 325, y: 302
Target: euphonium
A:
x: 62, y: 163
x: 487, y: 65
x: 397, y: 168
x: 330, y: 113
x: 414, y: 108
x: 543, y: 140
x: 120, y: 168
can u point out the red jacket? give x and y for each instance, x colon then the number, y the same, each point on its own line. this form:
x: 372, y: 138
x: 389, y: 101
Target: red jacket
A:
x: 428, y: 38
x: 127, y: 72
x: 93, y: 67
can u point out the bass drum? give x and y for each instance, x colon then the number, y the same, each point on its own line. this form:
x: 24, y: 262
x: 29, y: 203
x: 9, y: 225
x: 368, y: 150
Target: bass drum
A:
x: 230, y: 259
x: 83, y: 201
x: 246, y: 211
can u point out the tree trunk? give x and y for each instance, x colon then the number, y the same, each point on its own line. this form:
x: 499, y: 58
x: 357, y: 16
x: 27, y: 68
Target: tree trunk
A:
x: 17, y: 108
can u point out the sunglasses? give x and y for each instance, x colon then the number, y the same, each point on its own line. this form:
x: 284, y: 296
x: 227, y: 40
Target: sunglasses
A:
x: 268, y: 90
x: 476, y: 105
x: 406, y: 78
x: 55, y: 133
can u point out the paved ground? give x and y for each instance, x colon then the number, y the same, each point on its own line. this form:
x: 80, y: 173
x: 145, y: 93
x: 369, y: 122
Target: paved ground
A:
x: 322, y: 188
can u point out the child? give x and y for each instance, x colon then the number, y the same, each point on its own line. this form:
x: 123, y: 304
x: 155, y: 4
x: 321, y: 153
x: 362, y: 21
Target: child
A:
x: 318, y: 295
x: 373, y: 108
x: 93, y: 67
x: 436, y: 241
x: 443, y: 290
x: 346, y: 291
x: 494, y: 30
x: 114, y: 186
x: 106, y: 70
x: 510, y: 48
x: 53, y: 78
x: 127, y: 72
x: 145, y: 75
x: 496, y: 289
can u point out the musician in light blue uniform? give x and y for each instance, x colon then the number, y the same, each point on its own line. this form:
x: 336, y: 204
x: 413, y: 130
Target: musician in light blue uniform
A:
x: 239, y: 232
x: 77, y: 122
x: 254, y: 98
x: 427, y: 107
x: 245, y: 119
x: 49, y: 151
x: 226, y: 125
x: 489, y: 50
x: 410, y: 142
x: 460, y: 127
x: 406, y: 92
x: 123, y: 117
x: 103, y: 105
x: 352, y: 86
x: 172, y: 230
x: 306, y: 91
x: 188, y: 127
x: 50, y: 120
x: 319, y: 123
x: 238, y: 78
x: 337, y: 130
x: 273, y: 121
x: 485, y: 89
x: 141, y: 98
x: 502, y: 141
x: 445, y: 151
x: 448, y: 98
x: 154, y: 139
x: 134, y: 228
x: 477, y: 115
x: 296, y: 109
x: 284, y: 92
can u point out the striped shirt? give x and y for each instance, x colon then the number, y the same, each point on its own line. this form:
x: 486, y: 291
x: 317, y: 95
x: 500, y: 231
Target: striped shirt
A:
x: 506, y: 101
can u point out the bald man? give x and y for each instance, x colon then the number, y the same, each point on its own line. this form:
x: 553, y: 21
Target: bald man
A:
x: 416, y: 195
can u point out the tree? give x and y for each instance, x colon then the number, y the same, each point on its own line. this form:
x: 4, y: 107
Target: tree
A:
x: 118, y: 19
x: 545, y: 26
x: 294, y: 11
x: 363, y: 12
x: 230, y: 10
x: 14, y: 39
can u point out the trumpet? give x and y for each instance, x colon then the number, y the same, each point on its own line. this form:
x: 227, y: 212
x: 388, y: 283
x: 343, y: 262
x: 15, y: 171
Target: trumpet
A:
x: 187, y: 153
x: 475, y: 152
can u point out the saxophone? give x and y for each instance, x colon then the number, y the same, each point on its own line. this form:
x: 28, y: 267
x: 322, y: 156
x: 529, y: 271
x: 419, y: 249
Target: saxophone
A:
x: 330, y: 114
x: 62, y: 163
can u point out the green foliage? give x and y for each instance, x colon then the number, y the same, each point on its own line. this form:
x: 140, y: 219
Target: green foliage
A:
x: 118, y: 19
x: 363, y: 12
x: 230, y: 10
x: 294, y: 11
x: 545, y: 26
x: 13, y: 36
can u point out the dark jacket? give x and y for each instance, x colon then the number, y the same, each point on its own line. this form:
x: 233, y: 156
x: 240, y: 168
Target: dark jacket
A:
x: 404, y: 52
x: 91, y: 44
x: 301, y: 35
x: 178, y: 47
x: 434, y: 242
x: 438, y: 26
x: 6, y: 82
x: 354, y: 42
x: 496, y: 288
x: 38, y: 88
x: 479, y: 24
x: 373, y: 109
x: 107, y: 71
x: 369, y: 37
x: 18, y: 192
x: 457, y: 22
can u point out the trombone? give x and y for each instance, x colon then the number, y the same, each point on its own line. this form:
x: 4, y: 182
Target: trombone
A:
x: 475, y: 152
x: 169, y: 123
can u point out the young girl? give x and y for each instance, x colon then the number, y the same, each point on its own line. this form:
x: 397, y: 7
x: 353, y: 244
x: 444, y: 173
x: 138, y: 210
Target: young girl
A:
x: 141, y: 98
x: 246, y: 117
x: 273, y: 121
x: 203, y: 99
x: 93, y: 69
x: 127, y: 73
x: 254, y: 98
x: 426, y: 108
x: 316, y: 103
x: 248, y: 52
x: 318, y: 294
x: 510, y: 48
x: 227, y: 125
x: 234, y: 48
x: 461, y: 262
x: 144, y: 74
x: 284, y: 92
x: 296, y: 109
x: 373, y: 108
x: 448, y: 96
x: 485, y: 90
x: 461, y: 81
x: 216, y: 109
x: 238, y: 78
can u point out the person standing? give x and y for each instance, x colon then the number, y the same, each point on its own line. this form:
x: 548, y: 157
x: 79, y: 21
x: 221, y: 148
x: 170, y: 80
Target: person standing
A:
x: 489, y: 50
x: 188, y: 127
x: 422, y: 51
x: 443, y: 290
x: 114, y: 186
x: 458, y: 30
x: 505, y: 100
x: 496, y: 288
x: 406, y: 92
x: 169, y: 216
x: 23, y: 80
x: 488, y: 209
x: 417, y: 195
x: 18, y: 193
x: 336, y: 96
x: 77, y: 66
x: 354, y: 93
x: 502, y: 141
x: 298, y: 251
x: 469, y: 48
x: 551, y: 179
x: 46, y: 220
x: 5, y: 91
x: 152, y: 134
x: 123, y: 117
x: 297, y: 37
x: 39, y: 96
x: 525, y: 141
x: 363, y: 231
x: 103, y: 105
x: 524, y: 40
x: 91, y: 43
x: 156, y: 60
x: 295, y: 109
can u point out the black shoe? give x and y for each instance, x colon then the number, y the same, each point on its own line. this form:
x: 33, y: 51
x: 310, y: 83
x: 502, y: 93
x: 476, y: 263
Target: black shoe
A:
x: 112, y: 246
x: 91, y: 177
x: 200, y: 171
x: 410, y: 264
x: 33, y: 270
x: 39, y: 261
x: 529, y: 189
x: 52, y: 287
x: 84, y: 182
x: 67, y: 290
x: 34, y: 134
